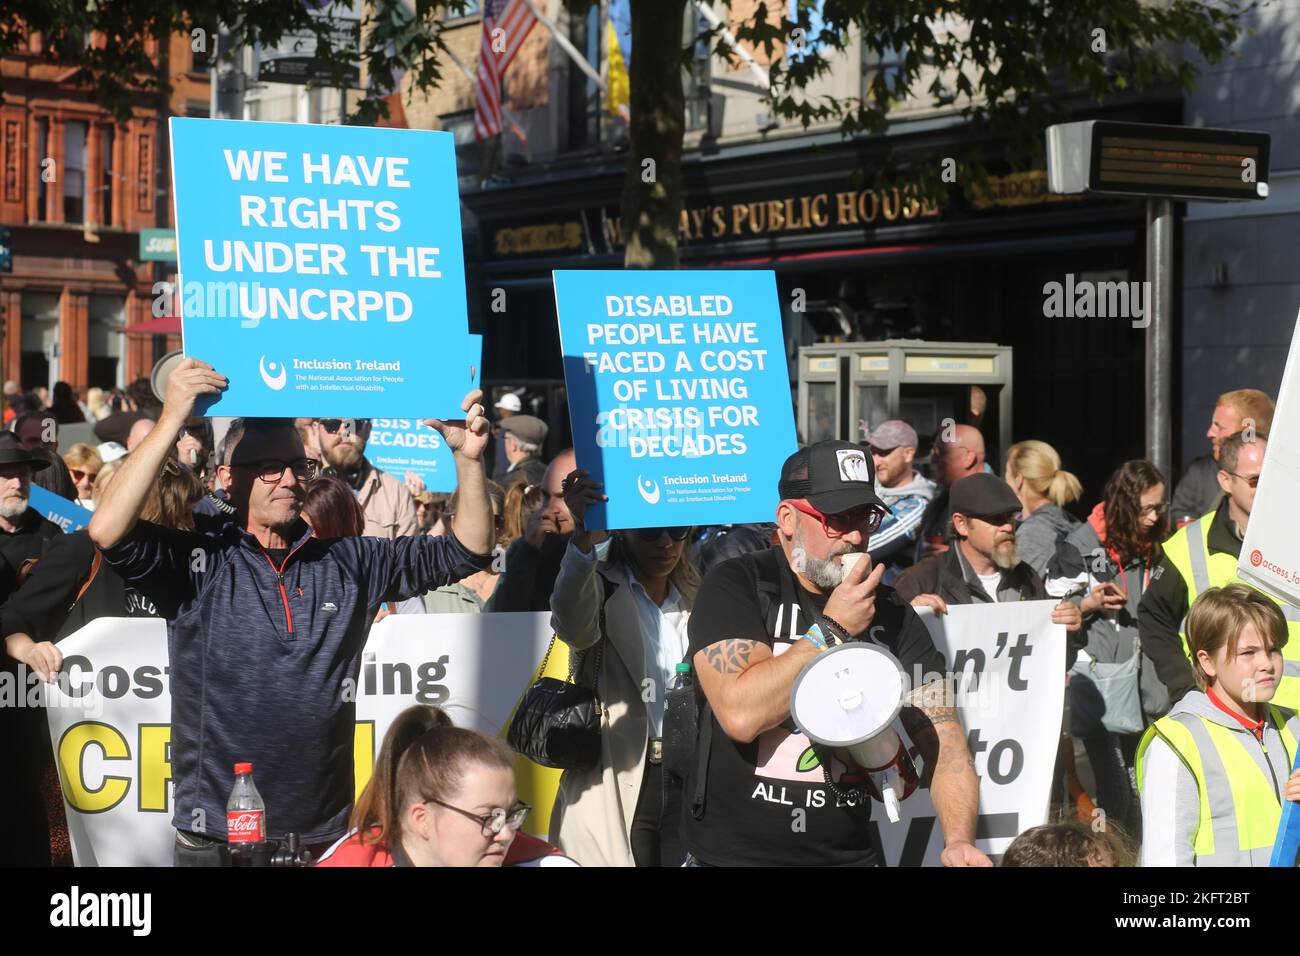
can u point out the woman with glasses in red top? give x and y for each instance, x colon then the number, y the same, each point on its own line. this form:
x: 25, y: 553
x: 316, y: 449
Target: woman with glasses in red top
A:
x: 440, y: 795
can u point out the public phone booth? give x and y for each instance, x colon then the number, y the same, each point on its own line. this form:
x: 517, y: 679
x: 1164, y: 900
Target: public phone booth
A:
x: 845, y: 387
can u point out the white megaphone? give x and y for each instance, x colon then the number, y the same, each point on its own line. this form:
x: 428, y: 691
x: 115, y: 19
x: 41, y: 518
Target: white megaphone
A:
x: 847, y: 698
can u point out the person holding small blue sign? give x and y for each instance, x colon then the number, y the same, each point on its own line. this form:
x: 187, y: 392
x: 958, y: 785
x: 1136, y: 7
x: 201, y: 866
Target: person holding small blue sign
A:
x: 627, y: 596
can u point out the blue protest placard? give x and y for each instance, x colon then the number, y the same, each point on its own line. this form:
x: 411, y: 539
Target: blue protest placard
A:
x: 399, y: 445
x: 1286, y: 847
x: 679, y: 397
x: 320, y: 267
x: 68, y: 515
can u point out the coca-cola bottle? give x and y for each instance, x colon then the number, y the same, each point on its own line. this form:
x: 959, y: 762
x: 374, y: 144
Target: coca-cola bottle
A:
x: 245, y: 818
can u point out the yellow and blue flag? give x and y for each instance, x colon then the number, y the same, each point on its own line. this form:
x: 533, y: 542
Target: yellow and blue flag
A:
x: 618, y: 42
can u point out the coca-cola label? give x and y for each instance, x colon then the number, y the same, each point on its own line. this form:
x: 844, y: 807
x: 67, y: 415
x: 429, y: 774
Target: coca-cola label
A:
x: 246, y: 826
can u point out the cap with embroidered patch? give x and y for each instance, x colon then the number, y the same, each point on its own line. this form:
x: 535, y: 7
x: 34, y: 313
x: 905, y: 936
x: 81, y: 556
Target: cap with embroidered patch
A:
x: 833, y: 476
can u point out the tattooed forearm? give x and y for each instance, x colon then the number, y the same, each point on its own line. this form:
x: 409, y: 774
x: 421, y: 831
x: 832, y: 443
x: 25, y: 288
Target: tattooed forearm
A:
x: 932, y: 721
x: 729, y: 657
x: 941, y: 715
x: 954, y: 755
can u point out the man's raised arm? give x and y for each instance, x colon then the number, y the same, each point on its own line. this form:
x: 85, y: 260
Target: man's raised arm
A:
x: 472, y: 523
x: 120, y: 507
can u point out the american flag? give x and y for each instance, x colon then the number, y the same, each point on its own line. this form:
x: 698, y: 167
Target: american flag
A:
x: 513, y: 20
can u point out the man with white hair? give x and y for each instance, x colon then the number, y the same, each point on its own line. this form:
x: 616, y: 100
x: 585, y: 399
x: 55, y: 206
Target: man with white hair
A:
x: 24, y: 738
x: 23, y: 531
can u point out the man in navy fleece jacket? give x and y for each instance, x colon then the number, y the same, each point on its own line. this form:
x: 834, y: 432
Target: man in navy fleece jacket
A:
x: 265, y: 623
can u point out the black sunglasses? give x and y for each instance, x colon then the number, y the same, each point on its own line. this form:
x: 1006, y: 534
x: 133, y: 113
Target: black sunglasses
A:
x: 652, y: 534
x: 332, y: 425
x: 272, y: 470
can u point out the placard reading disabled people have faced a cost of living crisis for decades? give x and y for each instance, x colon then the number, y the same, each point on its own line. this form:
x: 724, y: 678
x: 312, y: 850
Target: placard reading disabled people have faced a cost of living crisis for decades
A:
x: 679, y: 396
x: 321, y: 267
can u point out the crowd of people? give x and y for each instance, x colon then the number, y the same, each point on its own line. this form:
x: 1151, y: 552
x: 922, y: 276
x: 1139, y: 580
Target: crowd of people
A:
x: 272, y: 552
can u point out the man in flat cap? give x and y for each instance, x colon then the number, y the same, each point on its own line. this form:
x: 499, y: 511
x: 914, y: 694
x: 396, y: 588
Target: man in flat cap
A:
x: 982, y: 565
x: 524, y: 437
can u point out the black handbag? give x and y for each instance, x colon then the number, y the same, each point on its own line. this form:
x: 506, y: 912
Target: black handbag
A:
x: 557, y: 723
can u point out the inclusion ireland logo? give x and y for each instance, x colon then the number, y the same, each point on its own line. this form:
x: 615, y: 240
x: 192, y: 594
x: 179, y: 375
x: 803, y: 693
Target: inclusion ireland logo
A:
x: 649, y: 490
x: 272, y: 380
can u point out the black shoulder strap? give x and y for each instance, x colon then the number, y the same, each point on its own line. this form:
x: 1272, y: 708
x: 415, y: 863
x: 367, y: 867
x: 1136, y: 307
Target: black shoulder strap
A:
x: 608, y: 587
x: 703, y: 744
x: 793, y: 596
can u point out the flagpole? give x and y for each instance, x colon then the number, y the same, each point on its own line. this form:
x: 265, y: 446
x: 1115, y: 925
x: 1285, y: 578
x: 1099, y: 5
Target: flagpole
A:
x: 566, y: 46
x: 716, y: 22
x: 460, y: 64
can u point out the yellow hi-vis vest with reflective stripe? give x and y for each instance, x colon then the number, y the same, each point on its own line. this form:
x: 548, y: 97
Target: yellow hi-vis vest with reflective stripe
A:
x: 1189, y: 551
x: 1240, y: 809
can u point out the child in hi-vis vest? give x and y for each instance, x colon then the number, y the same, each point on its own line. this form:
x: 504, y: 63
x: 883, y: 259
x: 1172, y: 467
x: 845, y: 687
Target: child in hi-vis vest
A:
x: 1214, y: 772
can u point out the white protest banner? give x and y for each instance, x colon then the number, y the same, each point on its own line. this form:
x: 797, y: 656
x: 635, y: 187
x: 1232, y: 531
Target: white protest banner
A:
x: 1270, y: 553
x: 110, y: 714
x: 1008, y: 669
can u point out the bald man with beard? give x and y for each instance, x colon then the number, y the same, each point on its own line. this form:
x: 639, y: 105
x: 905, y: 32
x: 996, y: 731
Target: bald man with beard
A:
x: 958, y: 452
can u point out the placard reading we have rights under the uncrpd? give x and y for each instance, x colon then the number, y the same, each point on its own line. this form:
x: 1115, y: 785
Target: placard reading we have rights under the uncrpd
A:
x: 679, y: 398
x: 321, y: 267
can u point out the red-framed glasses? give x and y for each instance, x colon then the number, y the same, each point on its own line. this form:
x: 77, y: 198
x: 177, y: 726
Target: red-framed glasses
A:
x: 866, y: 519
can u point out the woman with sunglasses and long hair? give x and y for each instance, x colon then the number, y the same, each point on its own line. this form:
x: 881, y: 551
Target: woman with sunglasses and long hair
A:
x: 621, y: 602
x: 1108, y: 559
x: 440, y: 795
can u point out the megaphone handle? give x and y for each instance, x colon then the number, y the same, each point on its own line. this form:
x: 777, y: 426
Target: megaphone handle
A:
x: 892, y: 807
x: 849, y: 797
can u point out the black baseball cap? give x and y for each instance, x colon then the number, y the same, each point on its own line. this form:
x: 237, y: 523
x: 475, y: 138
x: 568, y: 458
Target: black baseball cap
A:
x: 833, y: 476
x: 983, y: 494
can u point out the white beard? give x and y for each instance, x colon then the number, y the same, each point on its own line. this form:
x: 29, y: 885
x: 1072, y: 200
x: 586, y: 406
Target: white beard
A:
x: 827, y: 573
x: 13, y: 510
x: 1008, y: 559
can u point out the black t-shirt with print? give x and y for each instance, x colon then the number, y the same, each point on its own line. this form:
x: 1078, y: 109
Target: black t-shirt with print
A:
x: 754, y: 789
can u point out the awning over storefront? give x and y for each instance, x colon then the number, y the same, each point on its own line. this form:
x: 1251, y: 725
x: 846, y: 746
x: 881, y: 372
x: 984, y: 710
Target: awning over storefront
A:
x: 165, y: 325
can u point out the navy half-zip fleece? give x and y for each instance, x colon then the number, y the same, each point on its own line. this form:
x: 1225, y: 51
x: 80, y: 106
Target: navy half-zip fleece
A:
x: 259, y: 656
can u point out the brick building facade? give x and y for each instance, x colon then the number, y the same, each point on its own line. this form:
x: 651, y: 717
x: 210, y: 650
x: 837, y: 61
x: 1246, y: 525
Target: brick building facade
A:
x: 78, y: 187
